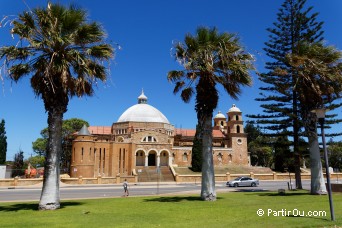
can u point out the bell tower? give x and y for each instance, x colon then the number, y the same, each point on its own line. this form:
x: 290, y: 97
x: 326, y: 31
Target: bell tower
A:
x: 238, y: 139
x: 220, y: 122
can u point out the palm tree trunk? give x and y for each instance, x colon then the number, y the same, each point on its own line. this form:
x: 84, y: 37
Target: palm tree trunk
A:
x: 208, y: 192
x: 317, y: 179
x: 50, y: 197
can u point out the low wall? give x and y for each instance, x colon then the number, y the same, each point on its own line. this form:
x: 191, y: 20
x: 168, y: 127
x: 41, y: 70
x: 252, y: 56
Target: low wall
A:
x: 13, y: 182
x: 268, y: 176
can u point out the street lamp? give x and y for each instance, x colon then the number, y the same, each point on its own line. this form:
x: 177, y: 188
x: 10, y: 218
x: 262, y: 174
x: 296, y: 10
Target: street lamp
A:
x: 320, y: 113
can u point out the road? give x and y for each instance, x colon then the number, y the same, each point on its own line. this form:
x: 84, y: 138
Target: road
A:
x: 32, y: 193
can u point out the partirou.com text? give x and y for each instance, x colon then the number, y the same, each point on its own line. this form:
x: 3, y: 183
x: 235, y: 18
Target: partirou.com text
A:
x: 293, y: 213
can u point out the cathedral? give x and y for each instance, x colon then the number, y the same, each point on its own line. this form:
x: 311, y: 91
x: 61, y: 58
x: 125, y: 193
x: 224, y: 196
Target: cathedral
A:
x: 143, y: 137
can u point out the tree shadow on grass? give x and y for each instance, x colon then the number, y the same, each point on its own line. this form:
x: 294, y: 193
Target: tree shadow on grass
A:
x: 176, y: 199
x: 251, y: 190
x: 288, y: 193
x: 32, y: 206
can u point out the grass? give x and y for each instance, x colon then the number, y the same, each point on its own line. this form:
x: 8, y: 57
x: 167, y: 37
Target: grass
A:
x: 234, y: 209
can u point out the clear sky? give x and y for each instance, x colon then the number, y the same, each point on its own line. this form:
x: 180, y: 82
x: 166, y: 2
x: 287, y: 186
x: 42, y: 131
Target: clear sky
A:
x: 145, y: 30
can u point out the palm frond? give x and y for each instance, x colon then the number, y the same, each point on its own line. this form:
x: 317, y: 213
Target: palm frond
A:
x: 214, y: 57
x: 175, y: 75
x: 65, y: 53
x: 186, y: 94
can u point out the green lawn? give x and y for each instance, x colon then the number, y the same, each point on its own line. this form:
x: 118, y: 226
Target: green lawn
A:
x: 234, y: 209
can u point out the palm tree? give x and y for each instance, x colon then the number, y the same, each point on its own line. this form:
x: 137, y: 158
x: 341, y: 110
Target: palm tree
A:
x: 319, y: 82
x: 63, y: 54
x: 209, y: 58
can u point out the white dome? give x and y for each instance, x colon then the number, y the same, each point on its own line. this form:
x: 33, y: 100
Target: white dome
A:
x: 143, y: 113
x: 234, y: 109
x: 219, y: 115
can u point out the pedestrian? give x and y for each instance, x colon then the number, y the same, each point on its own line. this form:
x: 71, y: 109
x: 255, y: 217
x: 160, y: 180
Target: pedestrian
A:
x: 125, y: 186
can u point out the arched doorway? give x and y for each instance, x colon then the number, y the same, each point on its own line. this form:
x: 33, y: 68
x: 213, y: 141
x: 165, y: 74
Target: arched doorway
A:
x: 152, y: 157
x: 140, y: 158
x: 164, y: 158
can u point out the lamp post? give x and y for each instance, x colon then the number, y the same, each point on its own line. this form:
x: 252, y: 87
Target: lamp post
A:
x: 320, y: 113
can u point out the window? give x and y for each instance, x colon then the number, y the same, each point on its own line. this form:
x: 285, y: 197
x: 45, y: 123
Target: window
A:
x: 185, y: 157
x: 237, y: 129
x: 100, y: 159
x: 104, y: 158
x: 149, y: 139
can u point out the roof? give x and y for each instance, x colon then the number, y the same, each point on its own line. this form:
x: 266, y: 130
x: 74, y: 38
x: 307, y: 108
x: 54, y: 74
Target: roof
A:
x: 219, y: 115
x: 100, y: 130
x: 143, y: 112
x: 84, y: 131
x: 234, y: 109
x: 192, y: 132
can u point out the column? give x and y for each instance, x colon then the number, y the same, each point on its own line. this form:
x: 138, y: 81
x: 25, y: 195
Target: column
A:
x: 158, y: 160
x: 146, y: 160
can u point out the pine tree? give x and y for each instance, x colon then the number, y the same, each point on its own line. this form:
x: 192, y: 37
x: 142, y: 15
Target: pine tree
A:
x: 3, y: 142
x: 295, y: 23
x: 18, y: 164
x: 196, y: 155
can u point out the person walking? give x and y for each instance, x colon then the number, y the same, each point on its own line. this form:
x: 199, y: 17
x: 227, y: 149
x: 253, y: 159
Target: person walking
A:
x: 125, y: 186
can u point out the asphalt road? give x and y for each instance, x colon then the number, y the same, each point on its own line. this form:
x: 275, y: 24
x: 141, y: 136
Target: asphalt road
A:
x: 32, y: 193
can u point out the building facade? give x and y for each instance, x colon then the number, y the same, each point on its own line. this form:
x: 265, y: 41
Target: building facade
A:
x: 144, y: 137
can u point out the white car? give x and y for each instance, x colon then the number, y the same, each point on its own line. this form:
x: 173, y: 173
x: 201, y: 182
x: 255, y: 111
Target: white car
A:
x: 243, y: 181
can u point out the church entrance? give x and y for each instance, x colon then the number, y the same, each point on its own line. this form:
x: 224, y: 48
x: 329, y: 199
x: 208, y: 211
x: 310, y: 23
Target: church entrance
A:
x: 152, y: 159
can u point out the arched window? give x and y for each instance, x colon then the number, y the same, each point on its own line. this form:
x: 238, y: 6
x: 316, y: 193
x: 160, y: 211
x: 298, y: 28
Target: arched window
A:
x: 185, y: 157
x: 237, y: 117
x: 237, y: 129
x: 149, y: 139
x: 230, y: 158
x: 120, y: 139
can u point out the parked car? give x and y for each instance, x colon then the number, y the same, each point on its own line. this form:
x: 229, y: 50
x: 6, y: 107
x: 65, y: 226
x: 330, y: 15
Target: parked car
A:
x: 243, y: 181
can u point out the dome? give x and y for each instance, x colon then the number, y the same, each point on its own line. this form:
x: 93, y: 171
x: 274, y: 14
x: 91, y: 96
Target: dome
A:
x: 219, y: 115
x: 143, y: 112
x: 234, y: 109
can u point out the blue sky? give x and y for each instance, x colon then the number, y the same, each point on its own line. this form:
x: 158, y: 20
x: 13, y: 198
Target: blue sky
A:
x: 145, y: 30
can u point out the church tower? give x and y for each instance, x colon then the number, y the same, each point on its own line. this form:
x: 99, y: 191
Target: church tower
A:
x: 220, y: 122
x: 83, y: 153
x: 238, y: 139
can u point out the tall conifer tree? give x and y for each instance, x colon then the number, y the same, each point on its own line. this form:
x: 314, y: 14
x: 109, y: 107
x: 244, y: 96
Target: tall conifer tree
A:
x: 196, y: 155
x: 295, y: 23
x: 3, y: 142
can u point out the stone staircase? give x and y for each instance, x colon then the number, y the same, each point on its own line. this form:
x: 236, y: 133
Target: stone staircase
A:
x: 150, y: 174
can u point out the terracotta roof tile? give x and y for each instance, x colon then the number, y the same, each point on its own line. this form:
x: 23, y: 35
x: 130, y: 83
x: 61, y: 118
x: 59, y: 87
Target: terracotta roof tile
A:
x: 191, y: 132
x: 100, y: 130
